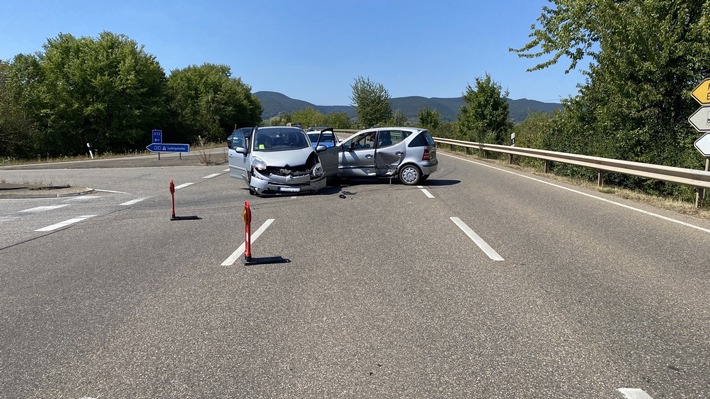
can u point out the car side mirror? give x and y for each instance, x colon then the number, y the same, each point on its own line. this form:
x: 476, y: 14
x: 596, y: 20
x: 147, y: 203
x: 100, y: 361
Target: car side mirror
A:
x: 241, y: 150
x: 321, y: 148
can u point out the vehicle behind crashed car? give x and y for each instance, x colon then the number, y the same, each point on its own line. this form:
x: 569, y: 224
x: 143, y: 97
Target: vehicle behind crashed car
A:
x: 280, y: 160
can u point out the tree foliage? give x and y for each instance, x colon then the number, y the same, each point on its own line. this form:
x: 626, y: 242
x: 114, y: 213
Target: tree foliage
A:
x: 103, y: 91
x: 208, y: 102
x: 484, y: 118
x: 645, y: 58
x: 109, y: 92
x: 429, y: 118
x: 310, y: 117
x: 372, y: 102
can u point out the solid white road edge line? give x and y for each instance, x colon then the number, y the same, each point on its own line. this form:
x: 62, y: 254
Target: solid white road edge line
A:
x: 634, y: 393
x: 478, y: 240
x: 425, y: 191
x: 236, y: 254
x: 65, y: 223
x: 692, y: 226
x: 183, y: 185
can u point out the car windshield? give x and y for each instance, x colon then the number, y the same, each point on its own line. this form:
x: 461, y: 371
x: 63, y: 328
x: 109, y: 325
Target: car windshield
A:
x: 286, y: 139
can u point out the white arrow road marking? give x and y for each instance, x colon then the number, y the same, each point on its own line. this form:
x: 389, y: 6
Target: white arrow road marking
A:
x: 478, y: 240
x: 212, y: 175
x: 236, y: 254
x: 65, y: 223
x: 183, y: 185
x: 133, y: 202
x: 634, y: 393
x: 42, y: 208
x: 425, y: 191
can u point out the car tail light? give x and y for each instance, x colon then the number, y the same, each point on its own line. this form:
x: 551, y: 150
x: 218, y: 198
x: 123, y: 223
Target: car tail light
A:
x: 426, y: 155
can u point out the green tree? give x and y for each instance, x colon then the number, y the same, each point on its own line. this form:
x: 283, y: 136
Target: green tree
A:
x: 645, y: 58
x: 338, y: 120
x: 429, y: 118
x: 105, y: 91
x: 16, y: 124
x: 208, y: 102
x: 372, y: 102
x: 398, y: 118
x: 484, y: 118
x: 308, y: 117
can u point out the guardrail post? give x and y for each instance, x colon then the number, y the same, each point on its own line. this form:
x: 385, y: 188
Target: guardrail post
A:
x: 600, y: 178
x: 547, y: 166
x: 510, y: 159
x: 698, y: 197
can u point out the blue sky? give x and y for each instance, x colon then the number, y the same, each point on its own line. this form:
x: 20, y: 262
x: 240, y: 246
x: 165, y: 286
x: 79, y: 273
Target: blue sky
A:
x: 313, y: 50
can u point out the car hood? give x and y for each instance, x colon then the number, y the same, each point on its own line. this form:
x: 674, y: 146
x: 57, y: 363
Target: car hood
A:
x: 283, y: 158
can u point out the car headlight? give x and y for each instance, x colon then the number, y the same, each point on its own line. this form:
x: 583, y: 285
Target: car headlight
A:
x: 317, y: 170
x: 258, y: 164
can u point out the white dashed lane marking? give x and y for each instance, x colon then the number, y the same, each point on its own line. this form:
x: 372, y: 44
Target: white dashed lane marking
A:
x: 183, y: 185
x: 83, y: 198
x: 65, y: 223
x: 425, y: 191
x: 42, y: 208
x: 634, y: 393
x: 478, y: 240
x: 212, y: 175
x: 133, y: 202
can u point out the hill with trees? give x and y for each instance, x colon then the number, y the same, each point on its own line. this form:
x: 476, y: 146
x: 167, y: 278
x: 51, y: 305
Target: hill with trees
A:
x: 275, y: 104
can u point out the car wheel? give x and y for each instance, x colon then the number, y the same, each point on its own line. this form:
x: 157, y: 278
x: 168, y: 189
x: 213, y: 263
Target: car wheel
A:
x: 410, y: 175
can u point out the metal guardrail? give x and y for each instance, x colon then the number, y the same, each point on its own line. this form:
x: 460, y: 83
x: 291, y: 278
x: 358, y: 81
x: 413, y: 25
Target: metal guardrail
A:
x: 698, y: 179
x: 690, y: 177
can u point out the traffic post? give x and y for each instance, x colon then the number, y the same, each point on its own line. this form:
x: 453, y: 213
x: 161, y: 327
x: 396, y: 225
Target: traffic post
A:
x: 173, y: 217
x: 248, y: 259
x: 246, y: 216
x: 172, y: 194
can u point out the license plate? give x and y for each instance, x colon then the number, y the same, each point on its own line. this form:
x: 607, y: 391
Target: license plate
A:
x: 290, y: 189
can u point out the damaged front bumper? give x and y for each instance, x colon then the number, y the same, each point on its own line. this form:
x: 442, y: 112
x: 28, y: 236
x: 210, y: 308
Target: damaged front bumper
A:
x: 272, y: 184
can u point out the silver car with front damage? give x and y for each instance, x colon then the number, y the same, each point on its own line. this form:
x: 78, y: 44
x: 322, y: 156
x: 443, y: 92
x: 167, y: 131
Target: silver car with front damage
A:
x: 280, y: 160
x: 406, y: 153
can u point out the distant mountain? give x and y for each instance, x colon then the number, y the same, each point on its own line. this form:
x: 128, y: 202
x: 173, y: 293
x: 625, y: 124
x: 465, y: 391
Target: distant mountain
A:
x: 276, y: 103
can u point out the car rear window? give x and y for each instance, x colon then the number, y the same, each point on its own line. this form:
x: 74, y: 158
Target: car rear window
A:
x: 423, y: 139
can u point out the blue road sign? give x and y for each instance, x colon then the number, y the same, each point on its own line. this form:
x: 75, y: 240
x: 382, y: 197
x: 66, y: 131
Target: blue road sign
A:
x: 157, y: 136
x: 166, y: 147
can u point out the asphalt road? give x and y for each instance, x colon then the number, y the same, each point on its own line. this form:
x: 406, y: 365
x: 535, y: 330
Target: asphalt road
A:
x: 484, y: 283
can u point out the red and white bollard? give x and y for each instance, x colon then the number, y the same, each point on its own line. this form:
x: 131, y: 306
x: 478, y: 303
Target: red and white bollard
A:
x: 246, y: 216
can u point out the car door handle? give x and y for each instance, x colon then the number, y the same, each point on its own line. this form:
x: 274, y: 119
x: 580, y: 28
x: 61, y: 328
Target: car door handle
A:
x: 398, y: 153
x: 368, y: 156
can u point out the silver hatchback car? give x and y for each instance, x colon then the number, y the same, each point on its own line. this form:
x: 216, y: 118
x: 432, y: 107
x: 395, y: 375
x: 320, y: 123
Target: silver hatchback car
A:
x: 280, y: 160
x: 407, y: 153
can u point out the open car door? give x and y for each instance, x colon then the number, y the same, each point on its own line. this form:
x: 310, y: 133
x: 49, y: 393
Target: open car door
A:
x: 328, y: 155
x: 239, y: 155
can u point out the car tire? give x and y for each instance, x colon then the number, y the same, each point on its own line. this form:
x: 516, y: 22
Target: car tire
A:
x: 410, y: 175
